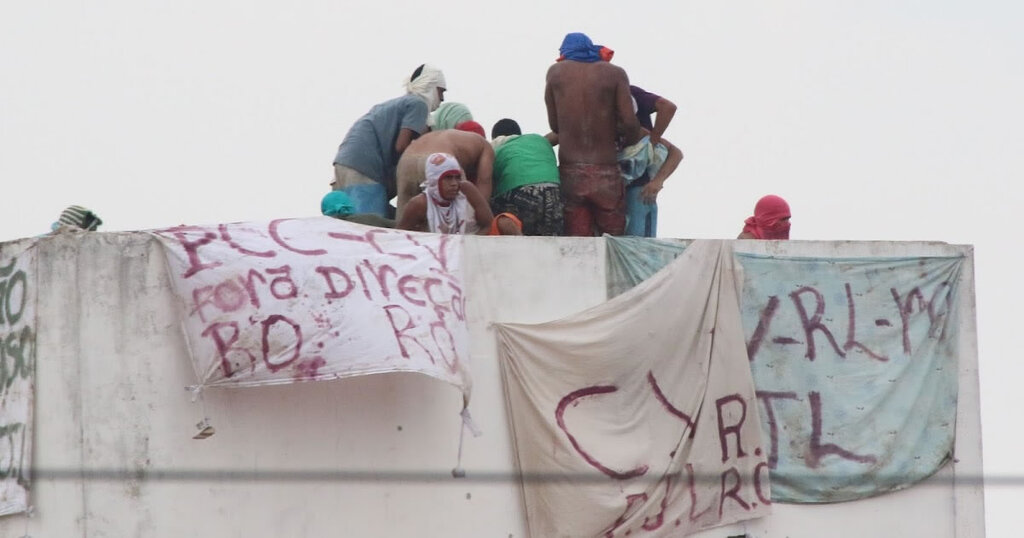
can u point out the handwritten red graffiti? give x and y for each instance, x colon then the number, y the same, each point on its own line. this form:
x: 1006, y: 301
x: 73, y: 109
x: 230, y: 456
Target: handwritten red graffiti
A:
x: 809, y: 305
x: 400, y: 244
x: 731, y: 412
x: 242, y: 314
x: 816, y: 450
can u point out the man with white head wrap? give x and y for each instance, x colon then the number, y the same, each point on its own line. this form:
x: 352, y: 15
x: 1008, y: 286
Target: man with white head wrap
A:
x: 364, y: 166
x: 449, y: 204
x: 428, y: 83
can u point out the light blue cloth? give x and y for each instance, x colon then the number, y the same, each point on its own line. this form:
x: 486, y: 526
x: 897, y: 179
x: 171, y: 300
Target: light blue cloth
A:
x: 630, y: 260
x: 854, y: 361
x: 369, y: 146
x: 639, y: 163
x: 448, y: 115
x: 641, y: 218
x: 336, y: 204
x: 641, y: 160
x: 369, y: 198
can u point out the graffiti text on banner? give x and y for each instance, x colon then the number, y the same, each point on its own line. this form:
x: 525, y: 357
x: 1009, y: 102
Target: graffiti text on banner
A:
x: 301, y: 299
x: 841, y: 352
x: 17, y: 364
x: 699, y: 502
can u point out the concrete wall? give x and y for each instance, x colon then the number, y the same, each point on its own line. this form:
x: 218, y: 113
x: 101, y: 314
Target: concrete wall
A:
x: 365, y: 457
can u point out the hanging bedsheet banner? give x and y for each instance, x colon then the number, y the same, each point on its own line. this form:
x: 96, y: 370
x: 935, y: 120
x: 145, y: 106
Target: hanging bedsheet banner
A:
x: 318, y: 298
x: 17, y: 371
x: 856, y: 370
x: 638, y: 417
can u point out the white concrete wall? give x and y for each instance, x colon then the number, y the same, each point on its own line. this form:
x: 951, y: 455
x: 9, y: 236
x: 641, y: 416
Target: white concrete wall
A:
x: 363, y: 457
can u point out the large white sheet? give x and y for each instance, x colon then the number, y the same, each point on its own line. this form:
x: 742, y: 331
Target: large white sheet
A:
x: 318, y: 298
x: 638, y: 417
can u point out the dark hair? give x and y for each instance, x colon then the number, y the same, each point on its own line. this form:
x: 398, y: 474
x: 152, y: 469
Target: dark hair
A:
x: 417, y: 72
x: 505, y: 127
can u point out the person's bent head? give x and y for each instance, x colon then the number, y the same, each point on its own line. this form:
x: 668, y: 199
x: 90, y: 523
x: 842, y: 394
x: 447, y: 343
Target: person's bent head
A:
x: 771, y: 219
x: 472, y: 127
x: 578, y: 47
x: 448, y: 115
x: 77, y: 216
x: 505, y: 127
x: 428, y: 82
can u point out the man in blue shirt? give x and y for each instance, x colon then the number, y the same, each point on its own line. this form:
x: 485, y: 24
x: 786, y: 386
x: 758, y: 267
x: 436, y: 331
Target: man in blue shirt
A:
x: 364, y: 167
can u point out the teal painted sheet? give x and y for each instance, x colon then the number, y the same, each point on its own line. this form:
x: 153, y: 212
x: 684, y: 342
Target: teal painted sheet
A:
x: 854, y: 361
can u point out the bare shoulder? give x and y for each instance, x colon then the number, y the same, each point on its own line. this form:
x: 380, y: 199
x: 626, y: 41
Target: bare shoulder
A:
x: 554, y: 71
x: 417, y: 204
x: 481, y: 145
x: 615, y: 70
x: 422, y: 141
x: 414, y: 214
x: 469, y: 189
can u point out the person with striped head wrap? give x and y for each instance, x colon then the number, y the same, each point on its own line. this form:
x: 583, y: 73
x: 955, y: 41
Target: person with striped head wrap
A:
x: 79, y: 217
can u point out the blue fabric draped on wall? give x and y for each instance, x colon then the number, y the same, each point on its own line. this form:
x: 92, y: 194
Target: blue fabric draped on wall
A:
x: 854, y: 361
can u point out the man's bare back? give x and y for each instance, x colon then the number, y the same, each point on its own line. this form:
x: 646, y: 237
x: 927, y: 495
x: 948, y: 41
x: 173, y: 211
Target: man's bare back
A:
x: 588, y: 107
x: 473, y: 152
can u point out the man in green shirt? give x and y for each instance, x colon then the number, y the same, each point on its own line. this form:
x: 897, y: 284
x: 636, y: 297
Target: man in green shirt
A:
x: 525, y: 180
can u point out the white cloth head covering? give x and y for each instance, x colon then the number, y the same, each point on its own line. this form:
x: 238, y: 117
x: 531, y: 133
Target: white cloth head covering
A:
x: 426, y: 84
x: 444, y: 216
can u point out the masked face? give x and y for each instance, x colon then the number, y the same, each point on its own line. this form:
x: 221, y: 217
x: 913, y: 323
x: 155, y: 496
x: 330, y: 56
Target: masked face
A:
x: 430, y: 85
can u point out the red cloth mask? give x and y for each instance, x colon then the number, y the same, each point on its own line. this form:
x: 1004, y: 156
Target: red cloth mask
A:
x: 767, y: 221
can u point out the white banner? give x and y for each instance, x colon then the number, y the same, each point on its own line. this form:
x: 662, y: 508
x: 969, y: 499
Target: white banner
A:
x: 17, y: 372
x: 318, y: 298
x: 638, y: 417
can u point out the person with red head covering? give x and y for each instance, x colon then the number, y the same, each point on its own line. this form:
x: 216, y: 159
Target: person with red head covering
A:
x: 471, y: 127
x: 770, y: 220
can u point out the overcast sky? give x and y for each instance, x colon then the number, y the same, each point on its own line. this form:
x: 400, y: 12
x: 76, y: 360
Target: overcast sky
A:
x: 877, y: 120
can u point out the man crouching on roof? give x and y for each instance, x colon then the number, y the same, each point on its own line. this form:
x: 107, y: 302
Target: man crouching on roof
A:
x: 364, y: 167
x: 589, y: 106
x: 449, y: 203
x: 467, y: 144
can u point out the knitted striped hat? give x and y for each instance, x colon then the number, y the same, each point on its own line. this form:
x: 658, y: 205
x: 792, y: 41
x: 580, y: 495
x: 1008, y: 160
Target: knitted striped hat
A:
x: 80, y: 217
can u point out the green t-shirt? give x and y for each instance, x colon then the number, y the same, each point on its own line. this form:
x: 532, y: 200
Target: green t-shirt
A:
x: 524, y: 160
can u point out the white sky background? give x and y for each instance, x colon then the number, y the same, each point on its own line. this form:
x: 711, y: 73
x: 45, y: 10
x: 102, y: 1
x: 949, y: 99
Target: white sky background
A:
x: 877, y: 120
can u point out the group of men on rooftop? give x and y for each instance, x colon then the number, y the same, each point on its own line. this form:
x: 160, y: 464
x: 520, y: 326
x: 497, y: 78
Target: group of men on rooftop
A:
x: 447, y: 178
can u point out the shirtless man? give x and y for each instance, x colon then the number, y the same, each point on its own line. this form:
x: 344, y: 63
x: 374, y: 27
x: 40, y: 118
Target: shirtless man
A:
x: 449, y: 205
x: 472, y: 151
x: 589, y: 107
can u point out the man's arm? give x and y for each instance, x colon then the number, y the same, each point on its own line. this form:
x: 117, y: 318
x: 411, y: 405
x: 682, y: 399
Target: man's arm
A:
x: 481, y: 209
x: 624, y: 109
x: 549, y: 101
x: 484, y: 171
x: 405, y: 137
x: 663, y: 110
x: 649, y: 194
x: 552, y: 138
x: 414, y: 216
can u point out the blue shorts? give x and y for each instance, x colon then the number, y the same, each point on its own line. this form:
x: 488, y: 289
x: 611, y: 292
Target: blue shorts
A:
x: 369, y: 198
x: 641, y: 218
